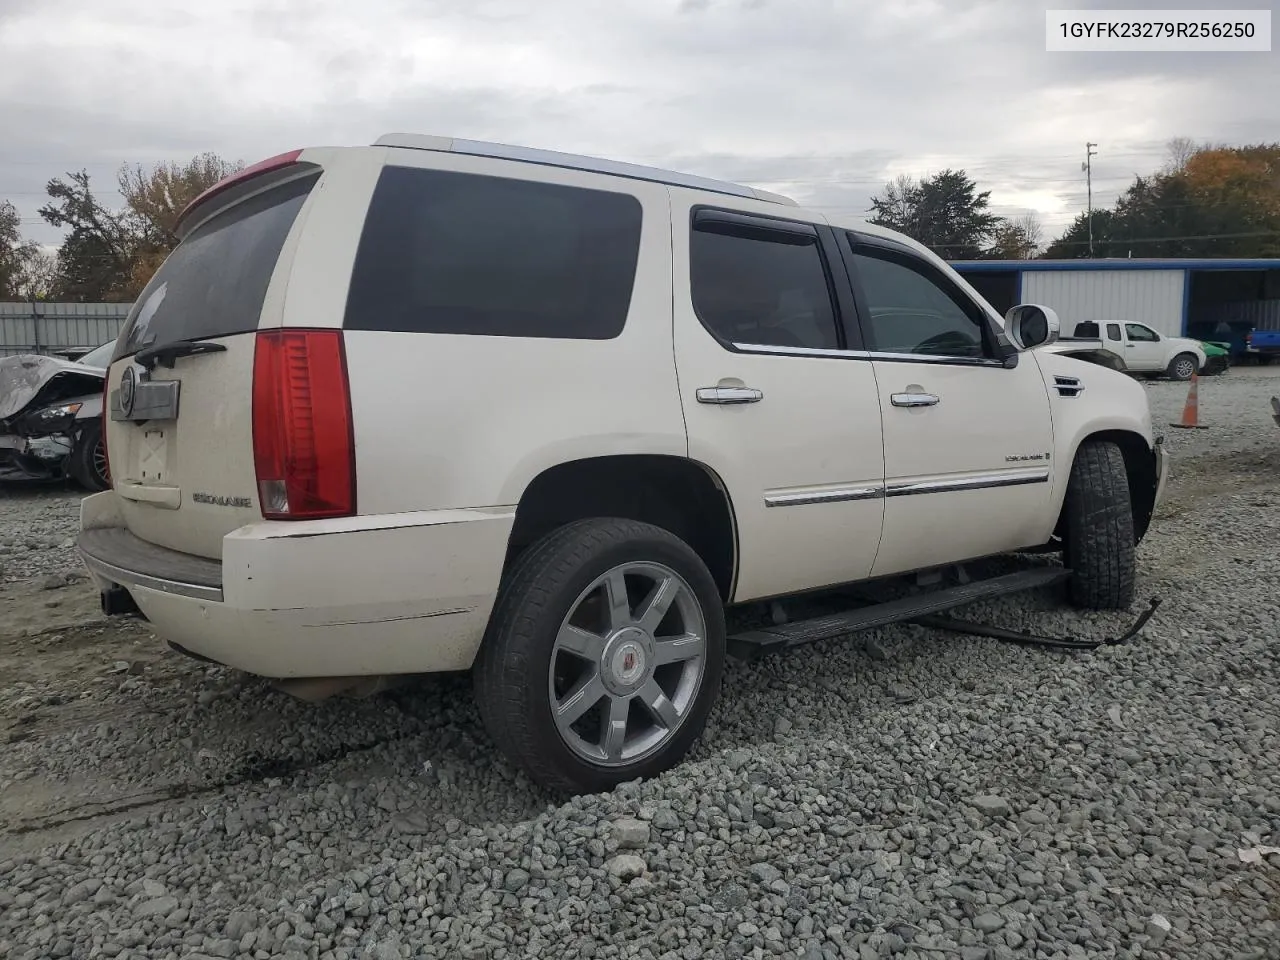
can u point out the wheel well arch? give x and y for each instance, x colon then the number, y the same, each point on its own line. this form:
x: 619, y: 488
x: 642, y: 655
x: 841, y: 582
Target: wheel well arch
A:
x: 680, y: 495
x: 1140, y: 469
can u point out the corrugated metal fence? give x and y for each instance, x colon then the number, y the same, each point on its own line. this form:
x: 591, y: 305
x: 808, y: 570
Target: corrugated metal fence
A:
x: 57, y: 328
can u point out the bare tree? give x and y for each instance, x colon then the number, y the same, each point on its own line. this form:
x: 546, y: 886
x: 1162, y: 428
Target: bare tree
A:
x: 1032, y: 234
x: 1177, y: 152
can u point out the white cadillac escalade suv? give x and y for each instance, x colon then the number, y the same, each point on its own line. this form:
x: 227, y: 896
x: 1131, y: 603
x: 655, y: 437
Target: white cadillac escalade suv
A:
x: 442, y: 405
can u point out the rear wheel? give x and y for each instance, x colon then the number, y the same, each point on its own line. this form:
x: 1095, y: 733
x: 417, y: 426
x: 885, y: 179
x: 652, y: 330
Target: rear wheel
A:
x: 1182, y: 367
x: 88, y: 462
x: 603, y: 655
x: 1099, y: 541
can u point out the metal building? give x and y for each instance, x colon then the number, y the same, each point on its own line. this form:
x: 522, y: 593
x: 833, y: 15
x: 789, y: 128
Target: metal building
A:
x: 1176, y: 297
x: 59, y: 329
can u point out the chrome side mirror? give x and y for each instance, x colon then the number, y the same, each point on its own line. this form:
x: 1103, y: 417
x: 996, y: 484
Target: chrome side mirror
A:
x: 1031, y: 325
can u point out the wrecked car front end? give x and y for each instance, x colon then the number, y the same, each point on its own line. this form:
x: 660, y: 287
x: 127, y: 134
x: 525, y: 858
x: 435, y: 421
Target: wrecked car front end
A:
x: 48, y: 409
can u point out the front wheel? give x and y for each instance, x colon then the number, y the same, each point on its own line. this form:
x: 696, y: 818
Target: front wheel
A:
x: 1099, y: 540
x: 603, y: 655
x: 1182, y: 367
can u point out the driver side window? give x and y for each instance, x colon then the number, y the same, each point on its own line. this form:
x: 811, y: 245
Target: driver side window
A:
x: 1137, y: 331
x: 915, y: 310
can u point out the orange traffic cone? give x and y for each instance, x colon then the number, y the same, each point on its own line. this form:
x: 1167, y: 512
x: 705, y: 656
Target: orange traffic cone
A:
x: 1191, y: 411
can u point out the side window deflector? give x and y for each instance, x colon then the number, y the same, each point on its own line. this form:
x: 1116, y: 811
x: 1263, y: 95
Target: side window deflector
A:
x: 755, y: 228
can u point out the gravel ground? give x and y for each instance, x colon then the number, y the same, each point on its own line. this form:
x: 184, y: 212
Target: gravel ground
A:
x: 906, y: 793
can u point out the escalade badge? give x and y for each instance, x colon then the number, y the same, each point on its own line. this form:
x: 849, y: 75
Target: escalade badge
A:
x: 127, y: 391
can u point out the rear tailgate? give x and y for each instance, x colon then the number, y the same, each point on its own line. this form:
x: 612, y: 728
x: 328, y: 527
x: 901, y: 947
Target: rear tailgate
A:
x: 179, y: 424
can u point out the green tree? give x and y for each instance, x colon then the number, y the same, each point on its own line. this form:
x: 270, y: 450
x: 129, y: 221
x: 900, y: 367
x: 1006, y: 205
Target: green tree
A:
x: 95, y: 259
x: 16, y: 256
x: 1018, y: 239
x: 945, y: 212
x: 1206, y: 202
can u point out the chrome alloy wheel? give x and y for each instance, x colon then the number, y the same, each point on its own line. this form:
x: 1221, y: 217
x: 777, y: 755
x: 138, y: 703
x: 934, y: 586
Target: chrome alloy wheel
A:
x: 627, y: 663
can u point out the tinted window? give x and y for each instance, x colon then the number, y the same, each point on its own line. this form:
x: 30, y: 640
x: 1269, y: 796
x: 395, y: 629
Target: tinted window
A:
x: 915, y: 309
x: 1137, y: 331
x: 214, y: 282
x: 750, y: 289
x: 446, y: 252
x: 1113, y: 331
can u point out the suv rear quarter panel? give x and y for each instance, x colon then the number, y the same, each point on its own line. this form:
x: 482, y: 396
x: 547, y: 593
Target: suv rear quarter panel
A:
x: 460, y: 420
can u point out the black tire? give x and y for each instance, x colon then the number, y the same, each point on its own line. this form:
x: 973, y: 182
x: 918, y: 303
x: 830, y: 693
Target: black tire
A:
x: 87, y: 463
x: 1182, y: 367
x: 1099, y: 541
x: 512, y: 669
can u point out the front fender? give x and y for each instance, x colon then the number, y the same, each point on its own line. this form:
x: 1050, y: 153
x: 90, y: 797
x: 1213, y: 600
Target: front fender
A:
x: 1110, y: 402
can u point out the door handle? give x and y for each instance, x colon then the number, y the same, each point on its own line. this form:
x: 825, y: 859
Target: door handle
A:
x: 914, y: 399
x: 729, y: 395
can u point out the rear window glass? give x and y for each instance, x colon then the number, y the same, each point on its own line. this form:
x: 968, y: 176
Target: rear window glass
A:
x: 214, y: 282
x: 458, y: 253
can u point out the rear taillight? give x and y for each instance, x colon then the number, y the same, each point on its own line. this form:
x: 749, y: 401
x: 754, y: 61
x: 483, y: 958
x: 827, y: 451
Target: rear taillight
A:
x: 303, y: 451
x: 106, y: 410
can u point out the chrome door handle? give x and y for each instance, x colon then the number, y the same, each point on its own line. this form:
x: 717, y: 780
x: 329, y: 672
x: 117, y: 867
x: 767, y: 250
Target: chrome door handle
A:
x: 729, y: 395
x: 914, y: 399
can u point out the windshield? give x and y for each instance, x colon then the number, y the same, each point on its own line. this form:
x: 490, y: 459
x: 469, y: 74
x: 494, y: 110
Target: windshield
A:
x: 99, y: 356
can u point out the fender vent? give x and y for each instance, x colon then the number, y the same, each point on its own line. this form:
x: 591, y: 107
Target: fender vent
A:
x: 1068, y: 386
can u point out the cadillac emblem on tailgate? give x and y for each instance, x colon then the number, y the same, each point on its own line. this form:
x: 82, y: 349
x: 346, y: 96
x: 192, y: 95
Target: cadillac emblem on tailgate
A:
x: 128, y: 384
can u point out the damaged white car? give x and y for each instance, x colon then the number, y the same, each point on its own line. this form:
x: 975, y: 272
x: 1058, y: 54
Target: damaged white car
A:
x: 51, y: 418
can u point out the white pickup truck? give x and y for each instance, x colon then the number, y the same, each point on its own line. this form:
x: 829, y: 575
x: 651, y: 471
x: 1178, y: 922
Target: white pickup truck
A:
x: 440, y: 405
x: 1133, y: 347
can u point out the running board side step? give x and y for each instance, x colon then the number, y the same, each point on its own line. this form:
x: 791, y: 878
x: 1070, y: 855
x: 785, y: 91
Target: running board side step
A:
x: 752, y: 644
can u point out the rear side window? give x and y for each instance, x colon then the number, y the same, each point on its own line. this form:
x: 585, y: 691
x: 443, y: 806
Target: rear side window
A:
x: 761, y: 289
x: 214, y: 282
x: 459, y: 253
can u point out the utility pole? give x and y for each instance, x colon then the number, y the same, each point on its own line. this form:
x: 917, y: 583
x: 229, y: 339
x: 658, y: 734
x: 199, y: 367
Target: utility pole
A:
x: 1087, y: 167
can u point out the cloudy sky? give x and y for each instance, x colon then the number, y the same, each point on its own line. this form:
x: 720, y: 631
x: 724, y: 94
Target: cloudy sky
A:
x: 822, y: 99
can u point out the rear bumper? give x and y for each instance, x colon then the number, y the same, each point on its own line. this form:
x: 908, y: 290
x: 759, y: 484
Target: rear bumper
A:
x: 366, y: 596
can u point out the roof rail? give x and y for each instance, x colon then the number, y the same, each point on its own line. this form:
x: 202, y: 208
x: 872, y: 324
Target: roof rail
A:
x: 553, y: 158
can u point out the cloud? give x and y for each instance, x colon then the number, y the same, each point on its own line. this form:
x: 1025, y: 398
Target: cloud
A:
x: 821, y: 99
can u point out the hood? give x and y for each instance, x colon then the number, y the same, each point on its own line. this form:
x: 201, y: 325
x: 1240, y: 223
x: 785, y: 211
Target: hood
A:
x: 30, y: 378
x: 1213, y: 348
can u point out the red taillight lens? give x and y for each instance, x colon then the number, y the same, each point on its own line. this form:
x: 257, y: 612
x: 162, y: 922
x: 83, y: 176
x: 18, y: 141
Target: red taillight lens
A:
x: 303, y: 450
x: 106, y: 418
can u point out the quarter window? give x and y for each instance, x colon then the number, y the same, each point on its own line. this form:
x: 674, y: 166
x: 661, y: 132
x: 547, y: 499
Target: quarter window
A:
x: 914, y: 309
x: 1113, y: 331
x: 762, y: 288
x: 446, y: 252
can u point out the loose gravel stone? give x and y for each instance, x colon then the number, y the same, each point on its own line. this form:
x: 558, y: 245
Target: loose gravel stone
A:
x: 1158, y: 929
x: 630, y: 834
x: 625, y: 866
x: 993, y: 806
